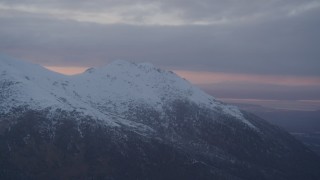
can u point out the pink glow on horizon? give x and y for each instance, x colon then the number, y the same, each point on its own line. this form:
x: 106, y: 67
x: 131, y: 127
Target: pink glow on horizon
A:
x: 67, y: 70
x: 203, y: 78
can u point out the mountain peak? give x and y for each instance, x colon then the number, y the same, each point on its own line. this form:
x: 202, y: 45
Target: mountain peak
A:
x: 90, y: 70
x: 128, y: 65
x: 114, y: 87
x: 146, y: 65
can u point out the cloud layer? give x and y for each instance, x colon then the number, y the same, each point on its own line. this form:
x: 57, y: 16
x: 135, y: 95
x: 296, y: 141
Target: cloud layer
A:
x: 269, y: 37
x: 164, y: 12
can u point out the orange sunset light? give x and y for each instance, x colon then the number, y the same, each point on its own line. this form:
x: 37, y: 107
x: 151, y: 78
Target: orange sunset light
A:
x: 67, y: 70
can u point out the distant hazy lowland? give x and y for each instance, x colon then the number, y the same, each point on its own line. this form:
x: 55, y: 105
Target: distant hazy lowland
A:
x: 304, y: 125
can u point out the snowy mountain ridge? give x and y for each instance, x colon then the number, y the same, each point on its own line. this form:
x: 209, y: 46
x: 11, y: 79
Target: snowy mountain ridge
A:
x: 106, y: 93
x: 128, y: 120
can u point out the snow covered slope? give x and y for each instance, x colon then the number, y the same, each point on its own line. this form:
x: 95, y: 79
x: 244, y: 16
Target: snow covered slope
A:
x: 99, y: 92
x: 129, y: 120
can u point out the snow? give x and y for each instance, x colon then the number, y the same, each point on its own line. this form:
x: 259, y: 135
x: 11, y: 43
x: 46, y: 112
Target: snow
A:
x: 104, y: 93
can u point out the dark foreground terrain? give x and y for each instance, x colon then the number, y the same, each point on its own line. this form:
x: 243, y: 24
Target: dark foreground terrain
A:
x: 202, y: 147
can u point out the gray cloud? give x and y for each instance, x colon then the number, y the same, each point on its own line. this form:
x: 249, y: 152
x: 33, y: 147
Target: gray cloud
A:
x: 163, y: 12
x: 269, y: 37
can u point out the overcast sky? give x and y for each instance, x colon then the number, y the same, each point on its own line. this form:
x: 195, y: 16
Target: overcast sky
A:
x: 266, y: 42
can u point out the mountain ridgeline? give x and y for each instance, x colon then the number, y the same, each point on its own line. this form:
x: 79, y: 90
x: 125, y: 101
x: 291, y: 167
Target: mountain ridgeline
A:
x: 134, y: 121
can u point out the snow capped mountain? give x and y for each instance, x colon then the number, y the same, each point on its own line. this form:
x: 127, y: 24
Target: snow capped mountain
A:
x: 134, y: 121
x: 100, y: 92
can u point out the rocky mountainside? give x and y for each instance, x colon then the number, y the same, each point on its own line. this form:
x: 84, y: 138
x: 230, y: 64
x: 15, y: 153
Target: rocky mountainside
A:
x: 134, y: 121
